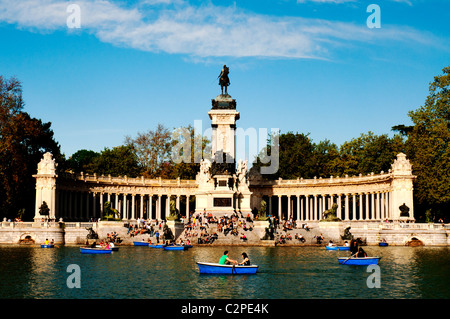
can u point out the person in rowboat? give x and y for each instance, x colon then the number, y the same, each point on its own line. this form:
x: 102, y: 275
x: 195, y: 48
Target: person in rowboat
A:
x: 245, y: 261
x: 361, y: 253
x: 353, y: 246
x: 225, y: 260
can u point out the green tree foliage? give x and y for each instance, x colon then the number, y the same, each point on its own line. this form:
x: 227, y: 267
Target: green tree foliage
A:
x: 23, y: 141
x: 369, y: 153
x: 118, y: 161
x: 186, y: 166
x: 300, y: 157
x: 152, y: 150
x: 82, y: 161
x: 428, y: 148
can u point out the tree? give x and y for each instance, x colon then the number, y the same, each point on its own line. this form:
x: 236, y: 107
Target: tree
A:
x: 186, y: 166
x: 294, y: 156
x: 82, y: 161
x: 152, y: 149
x: 428, y: 148
x: 23, y: 141
x: 369, y: 153
x: 118, y: 161
x: 326, y: 159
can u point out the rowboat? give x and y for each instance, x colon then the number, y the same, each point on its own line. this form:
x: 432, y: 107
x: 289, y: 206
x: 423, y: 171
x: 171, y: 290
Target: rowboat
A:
x: 383, y: 244
x: 89, y: 250
x: 112, y: 248
x: 212, y: 268
x: 338, y: 247
x: 175, y: 248
x: 157, y: 246
x: 140, y: 243
x: 359, y: 261
x: 47, y: 246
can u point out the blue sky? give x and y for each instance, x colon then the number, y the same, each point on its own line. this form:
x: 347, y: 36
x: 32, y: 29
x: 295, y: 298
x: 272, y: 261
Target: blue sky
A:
x: 307, y: 66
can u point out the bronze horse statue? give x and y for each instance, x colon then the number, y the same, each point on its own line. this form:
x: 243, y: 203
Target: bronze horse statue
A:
x: 224, y: 81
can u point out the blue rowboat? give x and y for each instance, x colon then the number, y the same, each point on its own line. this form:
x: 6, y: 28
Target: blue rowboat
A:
x: 359, y: 261
x: 47, y: 246
x: 140, y: 243
x: 175, y: 248
x: 338, y: 247
x: 212, y: 268
x: 188, y: 246
x: 89, y: 250
x: 112, y: 248
x: 383, y: 244
x: 157, y: 246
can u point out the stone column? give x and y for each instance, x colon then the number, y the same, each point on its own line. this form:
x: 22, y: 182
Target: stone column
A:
x: 306, y: 207
x: 158, y: 211
x: 298, y: 209
x: 288, y: 207
x: 124, y: 209
x: 150, y: 206
x: 354, y: 207
x: 360, y: 206
x: 141, y: 207
x: 167, y: 206
x: 339, y: 210
x: 372, y: 206
x: 279, y: 207
x: 346, y: 210
x: 270, y: 205
x: 315, y: 207
x: 101, y: 203
x: 94, y: 206
x: 367, y: 217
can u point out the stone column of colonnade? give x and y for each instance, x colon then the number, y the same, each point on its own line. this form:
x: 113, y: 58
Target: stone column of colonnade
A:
x: 363, y: 206
x: 75, y: 205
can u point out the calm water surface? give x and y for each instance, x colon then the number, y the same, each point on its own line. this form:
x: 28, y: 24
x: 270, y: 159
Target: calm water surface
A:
x: 284, y: 273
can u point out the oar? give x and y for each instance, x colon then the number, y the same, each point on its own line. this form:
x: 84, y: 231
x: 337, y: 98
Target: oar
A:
x: 347, y: 259
x: 233, y: 271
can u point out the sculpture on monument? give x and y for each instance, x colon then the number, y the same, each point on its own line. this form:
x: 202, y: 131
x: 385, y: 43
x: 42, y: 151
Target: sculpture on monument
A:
x: 224, y: 81
x: 204, y: 175
x: 404, y: 210
x: 242, y: 172
x: 330, y: 214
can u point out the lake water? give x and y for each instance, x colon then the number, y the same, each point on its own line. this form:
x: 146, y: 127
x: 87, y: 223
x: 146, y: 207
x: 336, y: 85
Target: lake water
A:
x: 284, y: 273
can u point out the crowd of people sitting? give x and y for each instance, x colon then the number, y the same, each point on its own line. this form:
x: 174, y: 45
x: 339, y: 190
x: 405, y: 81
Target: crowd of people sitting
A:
x: 199, y: 226
x: 143, y: 226
x: 113, y: 237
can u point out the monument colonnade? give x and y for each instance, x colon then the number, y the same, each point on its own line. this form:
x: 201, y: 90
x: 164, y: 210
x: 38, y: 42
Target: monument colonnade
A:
x: 373, y: 197
x: 83, y: 197
x: 357, y: 198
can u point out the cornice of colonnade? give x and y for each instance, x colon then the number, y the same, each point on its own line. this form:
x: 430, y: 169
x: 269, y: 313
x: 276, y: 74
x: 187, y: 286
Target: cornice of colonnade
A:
x: 125, y: 185
x: 348, y: 185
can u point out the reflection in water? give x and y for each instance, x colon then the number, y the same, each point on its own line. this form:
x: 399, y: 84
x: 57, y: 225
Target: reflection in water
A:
x: 284, y: 273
